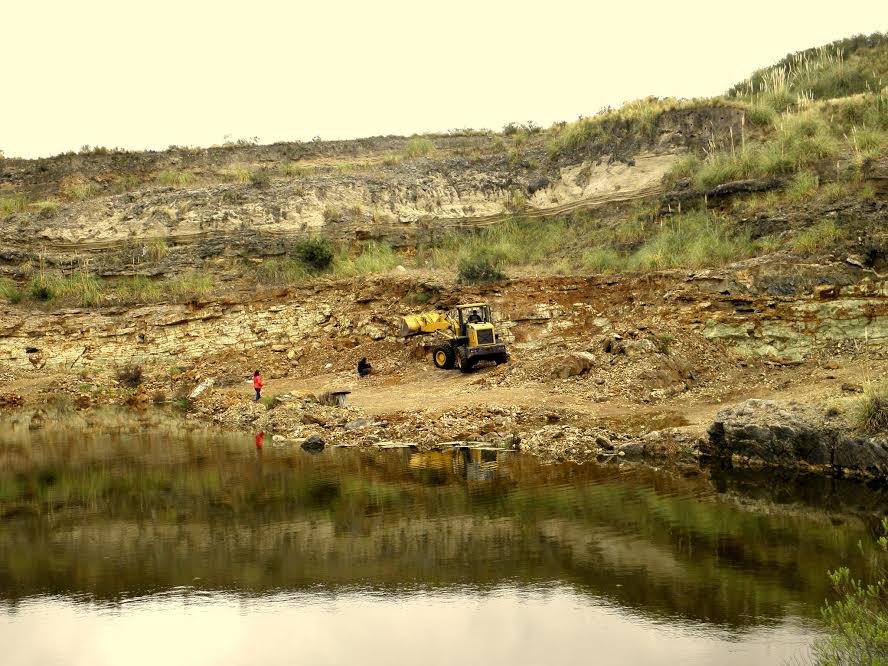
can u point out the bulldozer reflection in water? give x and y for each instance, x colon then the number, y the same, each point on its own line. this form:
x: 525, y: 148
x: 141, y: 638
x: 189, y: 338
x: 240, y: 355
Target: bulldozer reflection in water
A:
x: 464, y: 336
x: 461, y: 462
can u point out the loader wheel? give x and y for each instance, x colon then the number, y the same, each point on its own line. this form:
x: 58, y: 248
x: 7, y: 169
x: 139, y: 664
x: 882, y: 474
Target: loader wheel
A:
x: 466, y: 366
x: 501, y: 358
x: 443, y: 357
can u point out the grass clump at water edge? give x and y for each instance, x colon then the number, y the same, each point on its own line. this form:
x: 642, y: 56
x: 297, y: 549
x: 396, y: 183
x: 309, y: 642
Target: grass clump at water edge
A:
x: 870, y: 414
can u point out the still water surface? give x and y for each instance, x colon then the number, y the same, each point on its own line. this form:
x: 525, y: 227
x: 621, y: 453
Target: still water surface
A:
x: 137, y: 539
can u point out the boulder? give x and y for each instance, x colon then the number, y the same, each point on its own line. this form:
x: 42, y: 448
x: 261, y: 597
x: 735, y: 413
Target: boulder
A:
x: 575, y: 363
x: 631, y: 449
x: 313, y: 444
x: 771, y: 432
x: 793, y: 435
x: 866, y: 456
x: 641, y: 347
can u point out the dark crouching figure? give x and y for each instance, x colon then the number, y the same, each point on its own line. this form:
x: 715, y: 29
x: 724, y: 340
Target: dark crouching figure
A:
x: 364, y: 368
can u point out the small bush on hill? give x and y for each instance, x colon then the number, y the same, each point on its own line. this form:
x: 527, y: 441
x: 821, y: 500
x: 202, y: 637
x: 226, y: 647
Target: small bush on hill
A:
x: 139, y: 289
x: 482, y: 267
x: 281, y: 271
x: 315, y: 253
x: 802, y: 185
x: 296, y: 170
x: 419, y: 147
x: 260, y: 178
x: 130, y: 375
x: 821, y: 235
x: 40, y: 289
x: 10, y: 291
x: 191, y: 286
x: 172, y: 178
x: 13, y: 204
x: 374, y: 257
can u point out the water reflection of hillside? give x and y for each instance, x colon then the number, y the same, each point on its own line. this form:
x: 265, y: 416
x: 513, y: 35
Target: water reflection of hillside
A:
x: 114, y: 512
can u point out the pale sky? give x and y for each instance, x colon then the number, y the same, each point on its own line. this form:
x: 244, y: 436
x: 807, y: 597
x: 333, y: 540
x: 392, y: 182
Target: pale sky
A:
x: 141, y: 75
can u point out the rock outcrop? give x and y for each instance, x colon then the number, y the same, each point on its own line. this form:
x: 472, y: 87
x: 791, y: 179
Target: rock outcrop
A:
x: 786, y: 434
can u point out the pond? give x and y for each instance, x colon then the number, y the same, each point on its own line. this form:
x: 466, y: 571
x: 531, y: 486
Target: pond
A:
x: 139, y: 538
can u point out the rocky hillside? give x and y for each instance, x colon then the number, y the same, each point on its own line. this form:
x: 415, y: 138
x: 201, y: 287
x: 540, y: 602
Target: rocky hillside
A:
x: 255, y: 200
x: 656, y: 260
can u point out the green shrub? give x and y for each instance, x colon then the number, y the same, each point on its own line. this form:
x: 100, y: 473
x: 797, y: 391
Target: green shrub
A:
x: 692, y: 240
x: 345, y: 167
x: 315, y: 253
x: 139, y: 289
x: 528, y: 128
x: 684, y: 168
x: 482, y: 267
x: 125, y: 184
x: 515, y: 242
x: 419, y: 147
x: 767, y: 244
x: 10, y: 291
x: 191, y: 286
x: 40, y: 289
x: 716, y: 169
x: 638, y: 117
x: 260, y: 178
x: 296, y: 170
x: 80, y: 287
x: 183, y: 404
x: 172, y: 178
x: 857, y: 621
x: 374, y: 257
x: 802, y: 185
x: 760, y: 115
x: 871, y: 411
x: 281, y: 271
x: 820, y: 236
x: 806, y: 137
x: 47, y: 207
x: 15, y: 203
x: 78, y: 189
x: 603, y: 260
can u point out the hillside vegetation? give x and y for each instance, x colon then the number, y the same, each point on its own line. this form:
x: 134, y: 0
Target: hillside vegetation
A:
x: 804, y: 131
x: 823, y: 109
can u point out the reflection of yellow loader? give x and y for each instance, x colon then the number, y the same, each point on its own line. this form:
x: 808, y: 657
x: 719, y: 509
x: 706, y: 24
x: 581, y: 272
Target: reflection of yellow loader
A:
x: 462, y: 462
x: 464, y: 336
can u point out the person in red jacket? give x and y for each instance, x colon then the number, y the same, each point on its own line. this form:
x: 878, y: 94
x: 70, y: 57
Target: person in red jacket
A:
x: 257, y: 384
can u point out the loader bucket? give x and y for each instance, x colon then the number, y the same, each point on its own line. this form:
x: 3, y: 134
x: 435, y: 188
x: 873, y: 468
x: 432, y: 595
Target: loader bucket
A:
x: 427, y: 322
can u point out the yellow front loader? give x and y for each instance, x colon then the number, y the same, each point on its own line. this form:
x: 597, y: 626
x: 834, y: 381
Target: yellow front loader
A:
x: 463, y: 337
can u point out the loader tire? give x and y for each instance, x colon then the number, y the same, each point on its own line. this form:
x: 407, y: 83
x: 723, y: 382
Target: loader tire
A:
x: 501, y: 358
x: 466, y: 366
x: 444, y: 357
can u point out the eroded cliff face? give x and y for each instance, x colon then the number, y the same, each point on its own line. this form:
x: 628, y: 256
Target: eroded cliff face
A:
x: 85, y: 205
x: 394, y: 209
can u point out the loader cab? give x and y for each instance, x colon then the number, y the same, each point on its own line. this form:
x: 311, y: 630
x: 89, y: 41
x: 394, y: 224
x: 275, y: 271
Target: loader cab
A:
x: 471, y: 313
x: 473, y: 322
